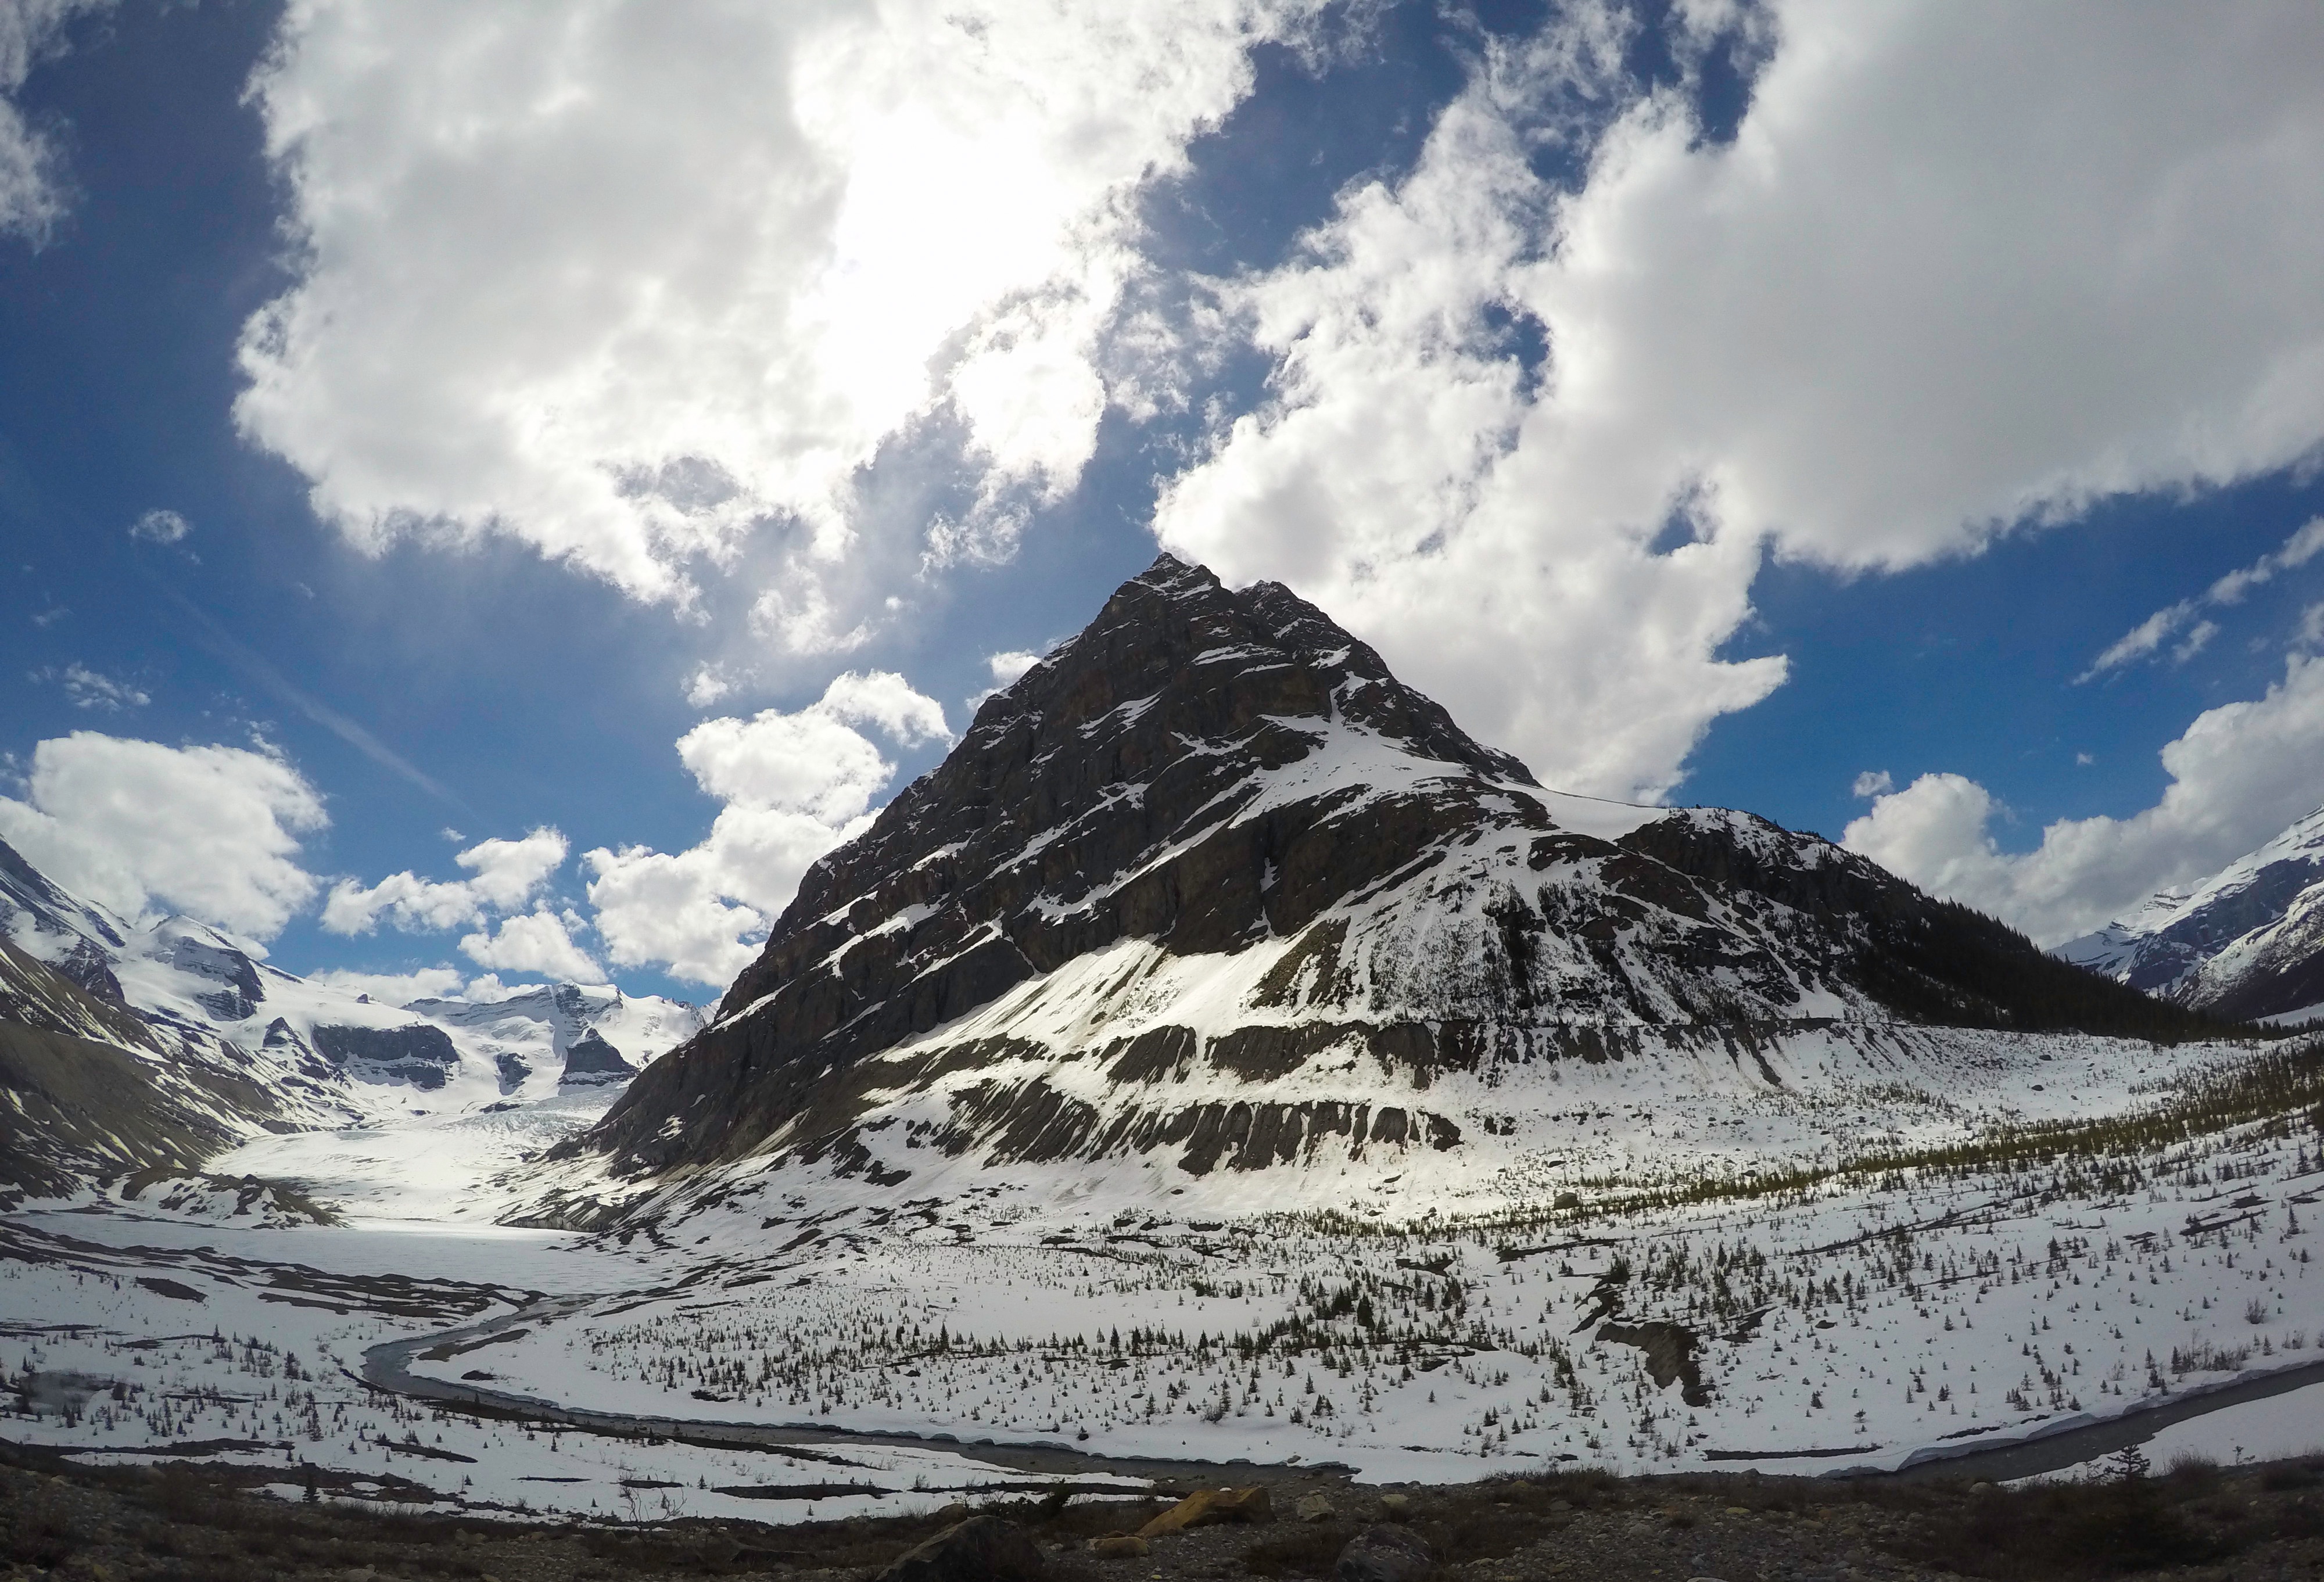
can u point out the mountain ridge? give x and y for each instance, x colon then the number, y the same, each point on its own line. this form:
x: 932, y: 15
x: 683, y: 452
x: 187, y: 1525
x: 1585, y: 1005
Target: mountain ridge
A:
x: 1208, y: 848
x: 2247, y: 944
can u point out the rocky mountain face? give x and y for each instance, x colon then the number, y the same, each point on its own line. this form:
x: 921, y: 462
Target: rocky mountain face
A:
x: 2247, y: 944
x: 87, y: 1088
x: 592, y: 1062
x: 1209, y: 882
x: 127, y: 1048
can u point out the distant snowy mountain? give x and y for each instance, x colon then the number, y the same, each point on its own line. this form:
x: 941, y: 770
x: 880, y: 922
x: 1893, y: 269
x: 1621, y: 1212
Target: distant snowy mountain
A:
x: 2247, y: 944
x: 583, y: 1033
x: 1208, y: 887
x: 127, y: 1048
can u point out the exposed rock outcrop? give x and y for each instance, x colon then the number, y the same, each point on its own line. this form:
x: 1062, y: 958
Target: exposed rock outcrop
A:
x: 591, y: 1061
x: 416, y: 1054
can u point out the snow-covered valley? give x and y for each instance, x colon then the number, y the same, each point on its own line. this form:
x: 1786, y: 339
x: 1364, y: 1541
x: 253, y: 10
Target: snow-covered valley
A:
x: 1842, y: 1318
x: 1219, y: 1061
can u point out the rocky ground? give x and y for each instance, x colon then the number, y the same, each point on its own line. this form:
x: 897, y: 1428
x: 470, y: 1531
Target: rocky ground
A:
x: 200, y: 1523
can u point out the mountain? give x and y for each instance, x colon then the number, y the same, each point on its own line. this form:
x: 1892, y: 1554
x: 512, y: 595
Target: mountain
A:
x: 128, y: 1048
x: 87, y: 1088
x: 1209, y: 885
x: 2247, y: 944
x: 586, y: 1033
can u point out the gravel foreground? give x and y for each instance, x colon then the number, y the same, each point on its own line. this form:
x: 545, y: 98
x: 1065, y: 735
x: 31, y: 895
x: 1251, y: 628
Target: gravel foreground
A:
x: 197, y: 1522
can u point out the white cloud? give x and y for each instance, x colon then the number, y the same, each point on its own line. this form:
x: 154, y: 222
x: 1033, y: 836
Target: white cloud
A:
x: 1875, y: 330
x: 506, y: 874
x: 208, y: 831
x: 87, y: 689
x: 2197, y: 640
x: 629, y: 281
x: 886, y: 701
x: 392, y: 989
x: 2142, y: 639
x: 1873, y: 783
x: 488, y: 989
x: 700, y: 912
x: 2303, y: 545
x: 1009, y: 667
x: 31, y: 197
x: 2311, y: 626
x: 708, y: 684
x: 1407, y: 481
x: 539, y: 941
x: 807, y: 762
x: 2240, y: 774
x: 160, y: 527
x: 2299, y: 549
x: 795, y: 786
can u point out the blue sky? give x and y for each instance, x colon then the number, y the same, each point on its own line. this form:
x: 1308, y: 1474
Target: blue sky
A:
x: 547, y: 413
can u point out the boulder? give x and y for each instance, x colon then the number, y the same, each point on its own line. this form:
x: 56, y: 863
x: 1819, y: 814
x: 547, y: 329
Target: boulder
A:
x: 1384, y: 1554
x: 1396, y: 1507
x: 1120, y: 1546
x: 982, y: 1549
x: 1206, y: 1506
x: 1314, y: 1508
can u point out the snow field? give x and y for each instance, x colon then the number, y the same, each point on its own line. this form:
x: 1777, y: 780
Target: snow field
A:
x: 1849, y: 1324
x: 123, y: 1352
x: 432, y: 1168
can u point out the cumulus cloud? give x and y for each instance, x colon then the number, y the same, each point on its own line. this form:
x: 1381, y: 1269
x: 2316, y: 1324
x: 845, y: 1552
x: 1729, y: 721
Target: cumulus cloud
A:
x: 392, y: 989
x: 1009, y: 667
x: 2150, y: 634
x: 538, y: 941
x: 630, y: 283
x: 1873, y: 783
x: 887, y: 703
x: 160, y: 527
x: 2239, y: 775
x: 32, y: 193
x: 212, y: 832
x: 1006, y: 668
x: 504, y: 875
x: 1962, y: 267
x: 707, y: 685
x: 795, y: 786
x: 810, y: 762
x: 87, y: 689
x: 488, y: 989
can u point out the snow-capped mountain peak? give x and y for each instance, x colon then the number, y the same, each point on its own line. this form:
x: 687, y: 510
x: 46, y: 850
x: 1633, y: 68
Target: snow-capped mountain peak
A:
x: 1209, y: 883
x: 2247, y: 943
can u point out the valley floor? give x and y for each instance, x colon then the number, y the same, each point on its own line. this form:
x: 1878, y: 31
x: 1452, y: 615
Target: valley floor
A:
x: 2027, y: 1307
